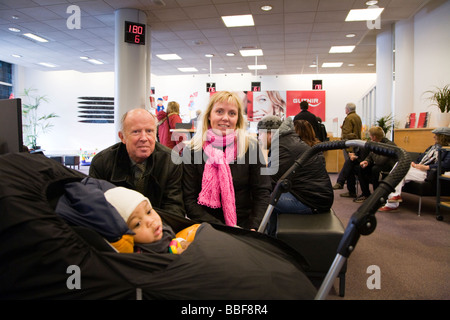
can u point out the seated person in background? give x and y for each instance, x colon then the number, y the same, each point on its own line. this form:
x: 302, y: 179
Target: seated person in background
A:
x: 373, y: 165
x: 150, y: 233
x: 311, y: 190
x: 420, y: 169
x: 350, y: 170
x: 140, y: 163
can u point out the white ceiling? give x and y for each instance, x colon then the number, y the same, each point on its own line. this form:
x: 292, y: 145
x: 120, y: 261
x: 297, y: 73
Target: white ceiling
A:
x: 292, y: 35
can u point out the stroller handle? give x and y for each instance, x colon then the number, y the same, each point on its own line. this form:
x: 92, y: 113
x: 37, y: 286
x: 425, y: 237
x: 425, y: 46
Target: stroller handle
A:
x: 363, y: 220
x: 395, y: 175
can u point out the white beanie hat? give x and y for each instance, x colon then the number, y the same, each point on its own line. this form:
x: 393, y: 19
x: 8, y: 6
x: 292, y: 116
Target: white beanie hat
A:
x: 124, y: 200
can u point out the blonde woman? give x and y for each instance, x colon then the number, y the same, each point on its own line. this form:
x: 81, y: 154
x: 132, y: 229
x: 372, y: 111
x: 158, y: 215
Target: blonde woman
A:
x: 222, y: 181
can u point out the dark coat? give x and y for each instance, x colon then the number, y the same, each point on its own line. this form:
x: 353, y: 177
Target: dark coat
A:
x: 252, y: 190
x: 162, y: 176
x: 311, y: 118
x: 311, y: 184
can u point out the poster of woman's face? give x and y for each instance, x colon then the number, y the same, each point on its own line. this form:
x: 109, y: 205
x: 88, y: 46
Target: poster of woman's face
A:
x: 266, y: 103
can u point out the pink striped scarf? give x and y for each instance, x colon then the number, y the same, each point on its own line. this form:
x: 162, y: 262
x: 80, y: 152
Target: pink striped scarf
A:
x: 217, y: 182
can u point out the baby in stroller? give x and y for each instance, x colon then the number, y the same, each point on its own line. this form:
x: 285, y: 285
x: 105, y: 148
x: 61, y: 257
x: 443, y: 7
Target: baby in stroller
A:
x: 150, y: 233
x: 144, y: 230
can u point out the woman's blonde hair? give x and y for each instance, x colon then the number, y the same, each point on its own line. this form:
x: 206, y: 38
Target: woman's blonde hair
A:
x: 173, y: 107
x: 204, y: 124
x: 279, y: 105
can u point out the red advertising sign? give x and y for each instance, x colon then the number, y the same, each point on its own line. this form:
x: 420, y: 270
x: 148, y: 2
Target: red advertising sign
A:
x: 315, y: 99
x: 258, y: 104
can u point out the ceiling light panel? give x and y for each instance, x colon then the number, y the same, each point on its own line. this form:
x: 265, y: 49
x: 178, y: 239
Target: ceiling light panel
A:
x: 341, y: 49
x: 258, y: 67
x: 35, y: 37
x: 245, y: 20
x: 251, y: 52
x: 368, y: 14
x: 188, y: 69
x: 47, y: 64
x: 168, y: 56
x: 332, y: 64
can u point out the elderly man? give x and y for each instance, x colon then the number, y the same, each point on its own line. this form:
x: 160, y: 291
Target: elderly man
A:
x: 352, y: 123
x: 139, y: 162
x: 311, y: 190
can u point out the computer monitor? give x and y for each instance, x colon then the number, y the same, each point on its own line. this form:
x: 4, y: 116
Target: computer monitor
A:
x: 11, y: 136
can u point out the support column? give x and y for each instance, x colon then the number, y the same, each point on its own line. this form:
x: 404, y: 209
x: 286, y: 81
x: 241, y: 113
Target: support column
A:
x: 385, y: 67
x: 131, y: 66
x: 404, y: 70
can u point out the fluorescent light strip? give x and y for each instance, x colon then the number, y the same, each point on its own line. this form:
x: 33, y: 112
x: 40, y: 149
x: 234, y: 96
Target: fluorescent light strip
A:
x: 332, y: 64
x: 245, y: 20
x: 35, y: 37
x: 47, y: 64
x: 95, y: 61
x: 168, y: 56
x: 188, y: 69
x: 368, y: 14
x: 258, y: 67
x: 341, y: 49
x: 251, y: 53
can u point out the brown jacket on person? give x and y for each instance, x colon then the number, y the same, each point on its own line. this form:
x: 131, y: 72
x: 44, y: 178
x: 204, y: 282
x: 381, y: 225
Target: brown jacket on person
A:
x: 352, y: 124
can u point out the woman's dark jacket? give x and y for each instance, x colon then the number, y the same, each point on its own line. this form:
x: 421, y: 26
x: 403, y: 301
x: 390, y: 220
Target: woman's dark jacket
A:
x: 251, y: 188
x: 311, y: 184
x: 162, y: 176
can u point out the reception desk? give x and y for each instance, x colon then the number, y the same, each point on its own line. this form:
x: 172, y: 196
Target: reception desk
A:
x: 414, y: 140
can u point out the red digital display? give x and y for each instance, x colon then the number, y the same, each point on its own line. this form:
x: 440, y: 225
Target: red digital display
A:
x: 134, y: 32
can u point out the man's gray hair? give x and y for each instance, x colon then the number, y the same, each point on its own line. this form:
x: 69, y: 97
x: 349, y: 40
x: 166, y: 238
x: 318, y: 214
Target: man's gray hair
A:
x: 350, y: 106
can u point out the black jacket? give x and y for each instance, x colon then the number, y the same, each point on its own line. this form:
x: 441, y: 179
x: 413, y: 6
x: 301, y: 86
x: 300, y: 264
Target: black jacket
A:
x: 252, y: 190
x: 311, y: 118
x: 310, y: 184
x: 162, y: 176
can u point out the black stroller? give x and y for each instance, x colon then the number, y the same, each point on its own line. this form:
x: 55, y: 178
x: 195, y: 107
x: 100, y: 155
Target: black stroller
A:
x: 40, y: 251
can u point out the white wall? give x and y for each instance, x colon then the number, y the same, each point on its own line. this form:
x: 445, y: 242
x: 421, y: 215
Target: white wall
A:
x: 340, y: 89
x: 431, y: 53
x: 64, y: 87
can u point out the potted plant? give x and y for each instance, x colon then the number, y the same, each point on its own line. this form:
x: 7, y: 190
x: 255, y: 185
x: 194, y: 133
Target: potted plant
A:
x: 440, y: 97
x: 386, y: 123
x: 34, y: 123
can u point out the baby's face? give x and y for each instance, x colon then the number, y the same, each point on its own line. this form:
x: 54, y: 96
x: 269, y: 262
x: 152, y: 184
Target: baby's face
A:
x: 146, y: 223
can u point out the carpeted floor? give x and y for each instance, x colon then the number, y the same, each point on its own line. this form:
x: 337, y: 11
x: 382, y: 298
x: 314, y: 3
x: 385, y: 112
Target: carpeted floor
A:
x: 411, y: 251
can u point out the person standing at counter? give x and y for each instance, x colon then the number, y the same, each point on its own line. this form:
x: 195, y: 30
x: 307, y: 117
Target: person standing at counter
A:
x: 168, y: 121
x: 222, y: 180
